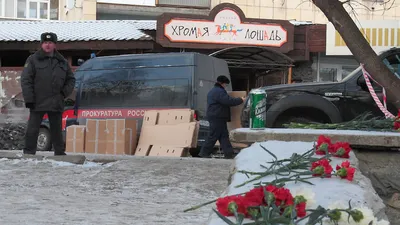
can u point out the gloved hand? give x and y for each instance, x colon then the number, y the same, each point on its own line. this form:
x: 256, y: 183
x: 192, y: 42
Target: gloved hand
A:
x: 30, y: 105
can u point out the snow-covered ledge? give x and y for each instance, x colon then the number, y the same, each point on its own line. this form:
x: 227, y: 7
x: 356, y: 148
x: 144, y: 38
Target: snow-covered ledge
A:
x: 327, y: 191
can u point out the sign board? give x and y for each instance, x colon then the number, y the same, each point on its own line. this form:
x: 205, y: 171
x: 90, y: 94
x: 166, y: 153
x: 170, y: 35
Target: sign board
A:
x: 226, y: 26
x: 382, y: 35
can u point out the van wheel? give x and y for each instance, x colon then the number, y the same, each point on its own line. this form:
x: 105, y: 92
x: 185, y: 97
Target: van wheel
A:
x: 44, y: 140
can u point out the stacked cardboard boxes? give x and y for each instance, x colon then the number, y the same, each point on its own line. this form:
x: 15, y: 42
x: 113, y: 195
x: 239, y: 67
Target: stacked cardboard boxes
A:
x: 75, y: 138
x: 167, y: 133
x: 111, y: 136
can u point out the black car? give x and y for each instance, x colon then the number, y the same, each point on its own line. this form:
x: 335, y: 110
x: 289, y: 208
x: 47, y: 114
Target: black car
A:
x: 331, y: 102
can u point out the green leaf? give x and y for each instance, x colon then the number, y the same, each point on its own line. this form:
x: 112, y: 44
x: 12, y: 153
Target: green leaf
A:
x: 264, y: 212
x: 272, y: 154
x: 226, y: 220
x: 280, y: 220
x: 239, y: 219
x: 314, y: 217
x: 350, y: 204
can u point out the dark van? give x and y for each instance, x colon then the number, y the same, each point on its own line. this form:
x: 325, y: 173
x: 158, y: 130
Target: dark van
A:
x: 126, y: 86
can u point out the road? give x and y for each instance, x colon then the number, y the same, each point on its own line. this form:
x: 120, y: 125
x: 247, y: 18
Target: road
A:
x: 137, y: 191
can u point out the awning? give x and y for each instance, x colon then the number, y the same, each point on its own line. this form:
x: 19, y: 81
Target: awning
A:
x: 254, y: 57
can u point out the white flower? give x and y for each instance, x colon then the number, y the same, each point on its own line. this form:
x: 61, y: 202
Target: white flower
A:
x: 368, y: 215
x: 308, y: 194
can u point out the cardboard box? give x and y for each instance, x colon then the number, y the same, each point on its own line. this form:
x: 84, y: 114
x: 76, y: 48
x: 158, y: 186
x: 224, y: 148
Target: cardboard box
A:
x: 236, y: 112
x: 121, y: 136
x: 75, y: 139
x: 95, y: 136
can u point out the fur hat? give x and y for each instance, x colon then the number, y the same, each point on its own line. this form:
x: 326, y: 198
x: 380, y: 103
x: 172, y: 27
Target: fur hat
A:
x: 223, y: 79
x: 48, y: 36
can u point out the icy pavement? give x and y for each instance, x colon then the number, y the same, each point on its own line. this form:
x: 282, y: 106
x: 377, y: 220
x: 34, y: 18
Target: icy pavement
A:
x: 137, y: 191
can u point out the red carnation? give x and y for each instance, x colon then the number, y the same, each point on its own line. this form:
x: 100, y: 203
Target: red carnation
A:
x: 321, y: 168
x: 223, y: 205
x: 256, y: 195
x: 283, y: 195
x: 341, y: 150
x: 345, y: 171
x: 396, y: 124
x: 301, y: 209
x: 323, y: 145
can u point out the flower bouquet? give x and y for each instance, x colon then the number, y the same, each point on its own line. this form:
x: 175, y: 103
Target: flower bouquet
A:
x: 272, y: 203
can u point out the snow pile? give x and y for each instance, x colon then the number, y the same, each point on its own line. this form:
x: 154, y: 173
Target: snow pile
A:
x: 327, y: 192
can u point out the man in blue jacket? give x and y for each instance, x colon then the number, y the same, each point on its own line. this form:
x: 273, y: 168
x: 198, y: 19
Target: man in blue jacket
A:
x: 218, y: 114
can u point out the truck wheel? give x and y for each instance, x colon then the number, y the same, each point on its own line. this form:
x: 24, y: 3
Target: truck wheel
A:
x: 44, y: 140
x: 294, y: 119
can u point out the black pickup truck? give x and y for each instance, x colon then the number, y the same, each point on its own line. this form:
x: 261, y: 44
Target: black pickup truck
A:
x: 331, y: 102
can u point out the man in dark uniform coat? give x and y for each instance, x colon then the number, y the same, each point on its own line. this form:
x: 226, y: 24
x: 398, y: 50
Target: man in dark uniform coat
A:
x: 46, y: 81
x: 218, y: 114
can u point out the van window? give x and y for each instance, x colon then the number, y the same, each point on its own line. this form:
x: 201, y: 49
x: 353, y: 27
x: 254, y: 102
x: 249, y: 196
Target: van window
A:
x: 135, y: 93
x: 71, y: 99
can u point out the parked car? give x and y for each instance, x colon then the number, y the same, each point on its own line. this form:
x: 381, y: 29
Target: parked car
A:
x: 331, y: 102
x: 126, y: 86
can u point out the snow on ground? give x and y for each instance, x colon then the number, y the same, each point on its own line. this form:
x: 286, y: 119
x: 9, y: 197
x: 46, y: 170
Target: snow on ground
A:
x: 326, y: 191
x: 49, y: 162
x: 137, y: 191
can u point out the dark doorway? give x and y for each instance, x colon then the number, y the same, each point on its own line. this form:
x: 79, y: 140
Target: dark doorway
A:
x: 247, y: 63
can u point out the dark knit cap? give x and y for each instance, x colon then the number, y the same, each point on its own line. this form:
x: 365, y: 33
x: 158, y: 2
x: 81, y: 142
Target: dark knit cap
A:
x: 223, y: 79
x: 48, y: 36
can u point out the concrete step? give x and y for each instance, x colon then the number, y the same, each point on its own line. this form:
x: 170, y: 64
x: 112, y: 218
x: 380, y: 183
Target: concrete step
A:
x: 354, y: 137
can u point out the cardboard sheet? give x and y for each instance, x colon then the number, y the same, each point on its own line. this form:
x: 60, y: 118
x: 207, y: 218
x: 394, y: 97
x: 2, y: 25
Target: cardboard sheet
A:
x: 143, y: 150
x: 158, y: 150
x: 172, y: 117
x: 175, y: 128
x: 178, y: 135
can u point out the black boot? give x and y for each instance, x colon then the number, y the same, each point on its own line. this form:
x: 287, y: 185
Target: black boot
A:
x: 26, y: 152
x: 60, y: 153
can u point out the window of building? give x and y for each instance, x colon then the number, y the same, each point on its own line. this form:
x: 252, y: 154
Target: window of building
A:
x: 32, y: 9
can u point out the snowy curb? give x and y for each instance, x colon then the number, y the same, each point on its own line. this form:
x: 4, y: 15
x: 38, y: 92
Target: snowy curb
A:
x: 360, y: 190
x: 74, y: 159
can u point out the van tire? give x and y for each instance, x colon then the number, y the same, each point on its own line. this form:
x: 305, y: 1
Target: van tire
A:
x: 44, y: 140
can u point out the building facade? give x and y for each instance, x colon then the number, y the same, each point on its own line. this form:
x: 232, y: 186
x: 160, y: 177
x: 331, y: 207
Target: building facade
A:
x: 29, y: 9
x: 298, y: 10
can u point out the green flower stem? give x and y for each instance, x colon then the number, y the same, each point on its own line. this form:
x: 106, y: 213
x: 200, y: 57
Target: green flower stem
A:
x: 204, y: 204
